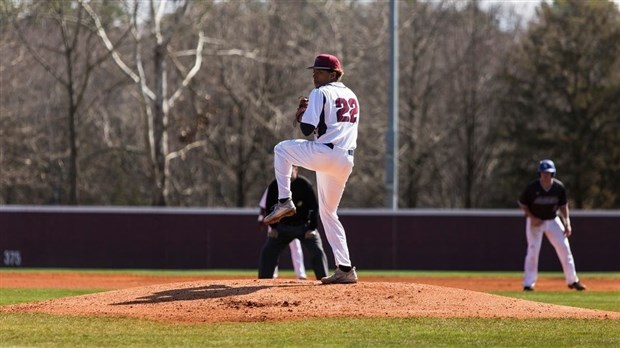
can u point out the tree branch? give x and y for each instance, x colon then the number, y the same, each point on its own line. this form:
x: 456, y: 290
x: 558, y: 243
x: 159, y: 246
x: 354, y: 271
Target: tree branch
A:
x: 192, y: 73
x: 117, y: 59
x: 182, y: 152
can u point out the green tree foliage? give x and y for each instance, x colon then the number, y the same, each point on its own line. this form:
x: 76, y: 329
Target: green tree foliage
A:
x: 562, y: 100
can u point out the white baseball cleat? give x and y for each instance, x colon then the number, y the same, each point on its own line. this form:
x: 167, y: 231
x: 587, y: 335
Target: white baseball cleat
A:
x: 281, y: 211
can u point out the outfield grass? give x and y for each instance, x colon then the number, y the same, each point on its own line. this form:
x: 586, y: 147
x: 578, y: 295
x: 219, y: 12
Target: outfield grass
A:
x: 609, y: 301
x: 43, y: 330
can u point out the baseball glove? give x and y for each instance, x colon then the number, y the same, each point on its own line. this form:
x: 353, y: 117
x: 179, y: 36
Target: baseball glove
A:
x: 303, y: 105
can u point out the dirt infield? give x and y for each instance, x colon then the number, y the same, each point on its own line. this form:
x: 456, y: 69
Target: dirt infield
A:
x: 199, y: 299
x: 81, y: 280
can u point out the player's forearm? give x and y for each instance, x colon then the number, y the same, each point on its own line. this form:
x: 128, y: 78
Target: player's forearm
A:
x: 565, y: 214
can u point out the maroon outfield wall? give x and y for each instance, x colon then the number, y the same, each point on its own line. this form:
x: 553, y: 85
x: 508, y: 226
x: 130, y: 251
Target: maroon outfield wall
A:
x: 197, y: 238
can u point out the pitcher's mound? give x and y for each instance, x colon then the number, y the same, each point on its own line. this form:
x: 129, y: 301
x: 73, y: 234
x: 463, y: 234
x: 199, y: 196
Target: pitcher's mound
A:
x: 262, y: 300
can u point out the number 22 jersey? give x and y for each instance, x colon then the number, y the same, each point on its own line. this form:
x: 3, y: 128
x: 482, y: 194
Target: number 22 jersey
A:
x: 334, y: 110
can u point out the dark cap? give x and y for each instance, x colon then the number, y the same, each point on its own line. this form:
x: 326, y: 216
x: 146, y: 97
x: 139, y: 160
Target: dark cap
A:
x: 326, y: 62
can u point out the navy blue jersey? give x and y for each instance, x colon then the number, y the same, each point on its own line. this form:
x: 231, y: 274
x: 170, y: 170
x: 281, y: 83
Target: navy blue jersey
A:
x: 542, y: 203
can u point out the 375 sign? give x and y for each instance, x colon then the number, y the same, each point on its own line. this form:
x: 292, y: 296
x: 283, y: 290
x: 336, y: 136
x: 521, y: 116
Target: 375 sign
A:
x: 12, y: 258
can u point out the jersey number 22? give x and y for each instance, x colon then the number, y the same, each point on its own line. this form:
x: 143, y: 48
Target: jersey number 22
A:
x: 347, y: 110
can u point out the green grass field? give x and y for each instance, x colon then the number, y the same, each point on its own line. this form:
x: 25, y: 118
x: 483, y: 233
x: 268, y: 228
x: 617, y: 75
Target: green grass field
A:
x: 42, y: 330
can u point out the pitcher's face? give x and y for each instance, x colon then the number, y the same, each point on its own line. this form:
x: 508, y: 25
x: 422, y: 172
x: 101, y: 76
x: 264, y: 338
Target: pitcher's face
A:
x: 322, y: 77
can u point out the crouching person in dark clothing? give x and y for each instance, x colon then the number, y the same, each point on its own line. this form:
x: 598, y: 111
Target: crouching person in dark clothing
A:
x: 302, y: 226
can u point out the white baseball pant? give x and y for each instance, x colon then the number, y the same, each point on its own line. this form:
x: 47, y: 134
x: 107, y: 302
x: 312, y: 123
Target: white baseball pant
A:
x: 297, y: 256
x: 332, y: 167
x: 554, y: 230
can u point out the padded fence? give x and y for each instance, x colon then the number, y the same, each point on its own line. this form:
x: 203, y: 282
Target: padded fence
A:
x: 196, y: 238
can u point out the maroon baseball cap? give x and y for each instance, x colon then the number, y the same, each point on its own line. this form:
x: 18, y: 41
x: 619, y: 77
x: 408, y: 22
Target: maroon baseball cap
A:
x: 326, y: 62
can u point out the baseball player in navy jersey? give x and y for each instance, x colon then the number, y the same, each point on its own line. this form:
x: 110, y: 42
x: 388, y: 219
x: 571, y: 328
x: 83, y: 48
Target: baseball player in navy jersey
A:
x: 541, y: 200
x: 332, y: 115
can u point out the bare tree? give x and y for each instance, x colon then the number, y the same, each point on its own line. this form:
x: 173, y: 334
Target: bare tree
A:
x: 421, y: 79
x: 68, y: 54
x: 473, y: 53
x: 157, y: 101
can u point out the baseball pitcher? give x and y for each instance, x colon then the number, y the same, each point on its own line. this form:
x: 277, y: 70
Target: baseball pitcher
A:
x: 331, y: 113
